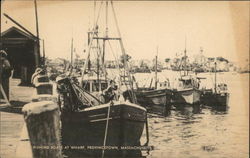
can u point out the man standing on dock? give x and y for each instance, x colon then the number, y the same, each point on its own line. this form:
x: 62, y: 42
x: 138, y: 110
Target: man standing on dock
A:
x: 5, y: 73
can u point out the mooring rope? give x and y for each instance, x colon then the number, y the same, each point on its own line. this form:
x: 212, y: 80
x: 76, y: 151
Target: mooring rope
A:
x: 106, y: 129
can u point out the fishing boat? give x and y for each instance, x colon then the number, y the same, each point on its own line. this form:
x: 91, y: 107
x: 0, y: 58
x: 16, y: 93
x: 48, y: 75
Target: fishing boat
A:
x: 154, y: 97
x: 86, y: 121
x: 187, y: 89
x: 100, y: 128
x: 218, y: 96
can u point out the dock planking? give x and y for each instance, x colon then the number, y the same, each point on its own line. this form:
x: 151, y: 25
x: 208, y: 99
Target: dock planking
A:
x: 10, y: 130
x: 11, y: 118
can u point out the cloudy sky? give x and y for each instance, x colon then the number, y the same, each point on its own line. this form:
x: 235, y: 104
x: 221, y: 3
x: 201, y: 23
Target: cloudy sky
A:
x: 220, y: 28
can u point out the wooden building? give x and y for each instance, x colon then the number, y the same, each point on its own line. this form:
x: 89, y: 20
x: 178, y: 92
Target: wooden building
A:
x: 22, y: 51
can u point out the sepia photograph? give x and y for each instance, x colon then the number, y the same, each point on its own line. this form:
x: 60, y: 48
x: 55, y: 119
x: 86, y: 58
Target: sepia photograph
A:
x: 124, y: 79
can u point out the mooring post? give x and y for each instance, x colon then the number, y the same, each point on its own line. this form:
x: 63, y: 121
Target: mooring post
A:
x: 43, y: 125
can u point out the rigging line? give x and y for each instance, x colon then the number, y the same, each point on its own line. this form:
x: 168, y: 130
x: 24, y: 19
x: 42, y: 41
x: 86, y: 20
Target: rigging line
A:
x: 94, y: 13
x: 91, y: 40
x: 106, y: 18
x: 106, y: 128
x: 116, y: 58
x: 117, y: 62
x: 123, y: 52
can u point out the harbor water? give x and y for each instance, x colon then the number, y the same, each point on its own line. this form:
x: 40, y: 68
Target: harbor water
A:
x: 200, y: 131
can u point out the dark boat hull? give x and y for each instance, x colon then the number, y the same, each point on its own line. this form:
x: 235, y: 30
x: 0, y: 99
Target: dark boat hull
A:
x: 188, y: 96
x: 87, y: 128
x: 215, y: 99
x: 159, y: 97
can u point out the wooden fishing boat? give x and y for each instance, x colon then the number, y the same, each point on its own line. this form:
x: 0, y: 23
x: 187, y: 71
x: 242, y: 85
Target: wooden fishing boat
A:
x: 89, y: 123
x: 186, y: 96
x: 187, y: 90
x: 211, y: 98
x: 154, y: 98
x: 217, y: 96
x: 147, y: 96
x: 84, y: 121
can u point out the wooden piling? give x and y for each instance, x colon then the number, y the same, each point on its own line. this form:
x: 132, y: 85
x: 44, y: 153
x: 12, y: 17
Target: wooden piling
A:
x: 43, y: 125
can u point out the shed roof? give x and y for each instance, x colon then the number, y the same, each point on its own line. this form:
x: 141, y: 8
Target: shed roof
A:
x: 14, y: 32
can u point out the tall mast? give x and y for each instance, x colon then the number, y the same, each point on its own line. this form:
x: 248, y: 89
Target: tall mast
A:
x: 37, y: 32
x: 156, y: 68
x: 43, y: 53
x: 185, y: 57
x: 215, y: 77
x: 104, y: 40
x: 71, y: 56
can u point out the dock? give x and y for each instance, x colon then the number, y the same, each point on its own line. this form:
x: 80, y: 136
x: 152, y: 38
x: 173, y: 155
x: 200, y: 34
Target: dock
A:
x: 13, y: 133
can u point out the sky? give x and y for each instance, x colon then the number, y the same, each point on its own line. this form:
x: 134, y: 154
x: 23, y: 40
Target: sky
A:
x: 221, y: 28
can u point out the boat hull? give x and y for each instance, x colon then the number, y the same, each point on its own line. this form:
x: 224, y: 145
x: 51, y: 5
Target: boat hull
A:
x: 188, y: 96
x: 87, y: 128
x: 160, y: 97
x: 215, y: 99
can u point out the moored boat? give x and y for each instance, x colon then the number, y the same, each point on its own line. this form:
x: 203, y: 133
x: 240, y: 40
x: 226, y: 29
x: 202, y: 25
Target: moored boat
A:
x: 87, y: 122
x: 84, y: 121
x: 186, y: 96
x: 187, y: 90
x: 211, y: 98
x: 218, y: 96
x: 151, y: 97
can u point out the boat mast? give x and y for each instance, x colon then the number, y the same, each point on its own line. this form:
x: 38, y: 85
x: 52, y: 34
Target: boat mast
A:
x: 43, y: 53
x: 215, y: 77
x: 156, y: 68
x: 185, y: 58
x: 104, y: 40
x: 71, y: 56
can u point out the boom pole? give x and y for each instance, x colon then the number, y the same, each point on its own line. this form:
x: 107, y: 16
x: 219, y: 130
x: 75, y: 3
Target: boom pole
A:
x: 37, y: 33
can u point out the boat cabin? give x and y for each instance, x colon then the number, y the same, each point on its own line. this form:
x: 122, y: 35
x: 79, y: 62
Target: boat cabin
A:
x: 92, y: 84
x: 188, y: 82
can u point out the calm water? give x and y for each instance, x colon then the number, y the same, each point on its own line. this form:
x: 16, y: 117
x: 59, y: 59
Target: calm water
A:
x: 203, y: 132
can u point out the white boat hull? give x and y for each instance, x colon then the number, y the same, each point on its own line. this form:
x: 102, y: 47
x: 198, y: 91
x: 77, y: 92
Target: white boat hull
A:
x: 187, y: 96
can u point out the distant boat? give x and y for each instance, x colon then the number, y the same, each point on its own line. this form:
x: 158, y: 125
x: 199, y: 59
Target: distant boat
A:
x: 217, y: 96
x: 154, y: 96
x: 187, y: 90
x: 140, y: 70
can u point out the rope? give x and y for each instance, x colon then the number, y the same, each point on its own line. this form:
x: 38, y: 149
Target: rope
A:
x: 91, y: 40
x: 106, y: 129
x: 123, y: 52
